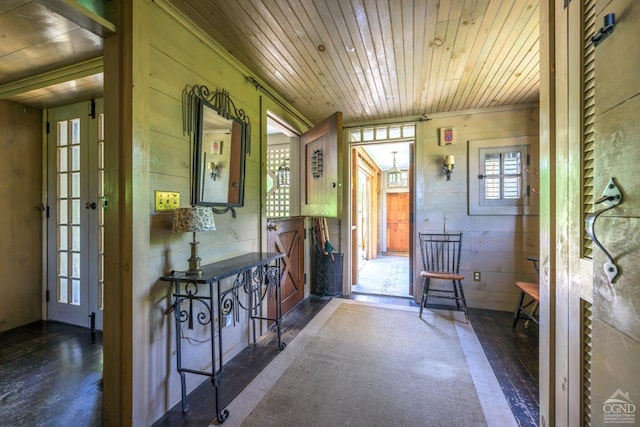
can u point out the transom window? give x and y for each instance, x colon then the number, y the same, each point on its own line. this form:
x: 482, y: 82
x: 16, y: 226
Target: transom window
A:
x: 383, y: 133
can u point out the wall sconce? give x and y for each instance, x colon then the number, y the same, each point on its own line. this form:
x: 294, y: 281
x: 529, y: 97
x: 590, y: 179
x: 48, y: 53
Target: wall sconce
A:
x: 284, y: 174
x: 214, y: 169
x: 447, y: 167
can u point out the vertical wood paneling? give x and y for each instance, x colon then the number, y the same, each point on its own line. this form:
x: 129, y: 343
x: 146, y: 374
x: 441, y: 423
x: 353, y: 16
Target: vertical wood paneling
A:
x: 495, y: 245
x: 382, y: 58
x: 170, y: 57
x: 20, y: 222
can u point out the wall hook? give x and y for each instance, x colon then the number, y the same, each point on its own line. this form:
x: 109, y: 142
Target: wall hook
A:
x: 611, y: 197
x: 606, y: 31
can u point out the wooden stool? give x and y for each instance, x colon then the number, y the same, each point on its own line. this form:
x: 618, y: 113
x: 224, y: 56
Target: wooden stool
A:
x: 533, y: 291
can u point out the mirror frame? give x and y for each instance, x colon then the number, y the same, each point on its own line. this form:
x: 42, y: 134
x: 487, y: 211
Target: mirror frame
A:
x: 198, y: 98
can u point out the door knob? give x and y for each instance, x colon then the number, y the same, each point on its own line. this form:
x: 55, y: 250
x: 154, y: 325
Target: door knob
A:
x: 272, y: 226
x: 90, y: 205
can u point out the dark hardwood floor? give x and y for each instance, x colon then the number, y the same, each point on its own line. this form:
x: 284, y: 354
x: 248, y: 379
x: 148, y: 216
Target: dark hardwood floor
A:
x: 50, y: 373
x: 513, y: 356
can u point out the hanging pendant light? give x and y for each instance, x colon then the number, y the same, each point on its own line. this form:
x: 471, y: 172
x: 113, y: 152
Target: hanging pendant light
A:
x: 394, y: 175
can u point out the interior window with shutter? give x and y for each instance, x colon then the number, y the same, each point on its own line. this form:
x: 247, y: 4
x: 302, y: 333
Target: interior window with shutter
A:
x: 501, y: 172
x: 502, y: 176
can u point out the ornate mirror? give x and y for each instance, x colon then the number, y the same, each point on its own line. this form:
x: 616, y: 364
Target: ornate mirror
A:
x: 221, y: 142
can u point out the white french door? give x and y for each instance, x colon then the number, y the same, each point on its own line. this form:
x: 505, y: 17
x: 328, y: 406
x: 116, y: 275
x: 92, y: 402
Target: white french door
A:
x: 75, y: 273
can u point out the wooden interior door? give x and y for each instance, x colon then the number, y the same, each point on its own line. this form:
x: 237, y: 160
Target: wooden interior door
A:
x: 397, y: 222
x: 616, y: 326
x: 287, y: 236
x: 320, y: 165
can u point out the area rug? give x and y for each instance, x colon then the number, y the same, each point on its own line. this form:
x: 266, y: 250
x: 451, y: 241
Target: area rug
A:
x: 364, y: 364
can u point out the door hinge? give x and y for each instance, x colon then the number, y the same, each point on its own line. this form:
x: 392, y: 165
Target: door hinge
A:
x: 46, y: 296
x: 304, y: 235
x: 92, y: 112
x: 48, y: 127
x: 305, y: 278
x: 47, y: 211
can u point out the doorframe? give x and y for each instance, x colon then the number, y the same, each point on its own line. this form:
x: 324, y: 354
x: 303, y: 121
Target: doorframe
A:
x: 548, y: 228
x: 346, y: 240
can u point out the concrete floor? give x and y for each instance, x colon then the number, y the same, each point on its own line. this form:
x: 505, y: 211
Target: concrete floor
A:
x: 384, y: 275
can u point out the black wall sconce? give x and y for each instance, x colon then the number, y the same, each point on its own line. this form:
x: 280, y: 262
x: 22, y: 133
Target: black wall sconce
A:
x: 606, y: 31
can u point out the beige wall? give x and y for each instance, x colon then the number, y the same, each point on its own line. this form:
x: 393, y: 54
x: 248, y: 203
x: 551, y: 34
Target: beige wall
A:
x: 169, y: 58
x: 495, y: 245
x: 20, y: 222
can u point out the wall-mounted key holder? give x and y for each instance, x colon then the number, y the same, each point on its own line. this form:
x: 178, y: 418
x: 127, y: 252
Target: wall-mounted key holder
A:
x: 611, y: 197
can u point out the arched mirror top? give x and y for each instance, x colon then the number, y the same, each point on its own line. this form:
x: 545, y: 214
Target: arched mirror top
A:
x: 221, y: 135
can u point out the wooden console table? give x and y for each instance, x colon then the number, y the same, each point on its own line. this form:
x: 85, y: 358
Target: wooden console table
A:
x: 202, y: 299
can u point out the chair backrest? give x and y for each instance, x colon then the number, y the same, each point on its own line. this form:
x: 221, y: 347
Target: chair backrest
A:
x: 441, y: 252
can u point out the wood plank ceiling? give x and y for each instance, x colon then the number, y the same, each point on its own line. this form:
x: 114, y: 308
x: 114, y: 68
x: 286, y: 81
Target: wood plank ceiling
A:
x: 381, y: 59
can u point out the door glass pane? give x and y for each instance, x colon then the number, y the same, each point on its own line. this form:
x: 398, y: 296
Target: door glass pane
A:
x: 63, y: 159
x: 100, y: 229
x: 63, y: 183
x: 62, y: 294
x: 63, y: 238
x: 75, y: 212
x: 63, y: 212
x: 75, y: 131
x: 75, y: 158
x: 75, y: 238
x: 100, y: 282
x: 75, y: 184
x: 75, y: 264
x: 63, y: 264
x: 68, y: 211
x: 62, y: 133
x: 75, y: 292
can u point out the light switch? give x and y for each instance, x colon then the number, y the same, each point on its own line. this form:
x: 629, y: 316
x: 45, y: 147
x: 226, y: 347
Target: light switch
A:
x: 167, y: 200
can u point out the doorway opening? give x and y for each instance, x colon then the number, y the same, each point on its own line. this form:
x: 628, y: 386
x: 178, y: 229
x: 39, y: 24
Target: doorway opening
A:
x: 381, y: 205
x: 285, y: 226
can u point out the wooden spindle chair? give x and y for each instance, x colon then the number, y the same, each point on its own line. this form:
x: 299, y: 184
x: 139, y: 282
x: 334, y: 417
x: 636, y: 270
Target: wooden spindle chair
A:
x: 441, y: 261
